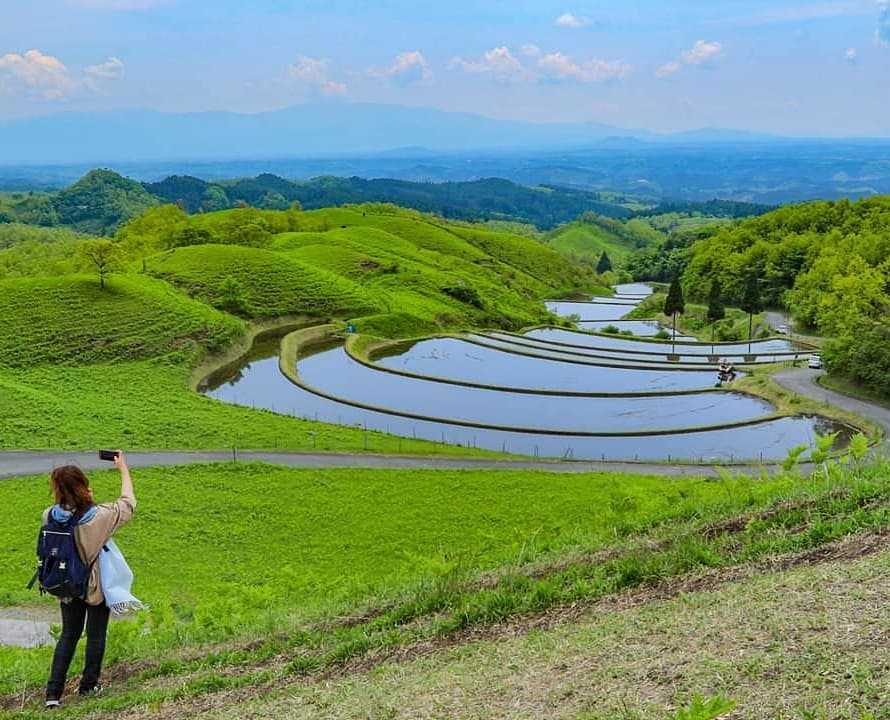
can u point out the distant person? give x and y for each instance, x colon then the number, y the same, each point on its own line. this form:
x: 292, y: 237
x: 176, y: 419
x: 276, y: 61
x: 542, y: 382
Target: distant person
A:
x: 94, y: 526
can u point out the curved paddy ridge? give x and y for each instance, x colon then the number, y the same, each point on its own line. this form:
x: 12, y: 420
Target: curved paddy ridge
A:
x: 630, y: 356
x: 335, y: 373
x: 457, y: 359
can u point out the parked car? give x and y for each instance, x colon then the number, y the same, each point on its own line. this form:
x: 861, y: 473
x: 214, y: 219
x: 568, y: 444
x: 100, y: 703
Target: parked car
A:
x: 815, y: 361
x: 783, y: 330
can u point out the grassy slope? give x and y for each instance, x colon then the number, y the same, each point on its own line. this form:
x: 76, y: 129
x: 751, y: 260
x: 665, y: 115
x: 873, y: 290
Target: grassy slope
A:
x: 69, y: 320
x: 510, y: 544
x: 798, y: 644
x: 588, y: 241
x: 347, y: 537
x: 271, y: 285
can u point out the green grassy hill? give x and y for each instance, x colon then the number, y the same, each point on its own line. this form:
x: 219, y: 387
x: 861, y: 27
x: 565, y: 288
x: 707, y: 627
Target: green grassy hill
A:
x: 70, y: 321
x: 259, y: 283
x: 389, y: 270
x: 587, y: 239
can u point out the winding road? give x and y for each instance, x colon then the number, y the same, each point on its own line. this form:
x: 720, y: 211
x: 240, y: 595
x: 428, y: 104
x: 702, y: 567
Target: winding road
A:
x: 17, y: 463
x: 803, y: 382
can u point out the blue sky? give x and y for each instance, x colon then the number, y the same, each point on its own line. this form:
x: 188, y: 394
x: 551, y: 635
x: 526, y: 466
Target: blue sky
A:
x: 801, y: 68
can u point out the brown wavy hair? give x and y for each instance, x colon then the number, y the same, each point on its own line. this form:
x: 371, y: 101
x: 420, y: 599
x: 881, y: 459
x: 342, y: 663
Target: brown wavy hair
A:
x: 71, y: 488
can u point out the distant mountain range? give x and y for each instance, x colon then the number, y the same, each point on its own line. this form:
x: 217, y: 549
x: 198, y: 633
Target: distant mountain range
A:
x: 317, y: 129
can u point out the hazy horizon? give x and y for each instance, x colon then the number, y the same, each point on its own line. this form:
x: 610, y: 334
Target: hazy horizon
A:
x: 798, y: 69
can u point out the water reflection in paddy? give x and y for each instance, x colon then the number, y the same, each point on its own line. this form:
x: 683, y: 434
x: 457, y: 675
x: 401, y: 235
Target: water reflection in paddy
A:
x: 459, y: 360
x: 589, y: 311
x: 643, y: 328
x: 619, y: 343
x: 336, y: 373
x: 554, y: 352
x: 658, y: 354
x: 260, y: 384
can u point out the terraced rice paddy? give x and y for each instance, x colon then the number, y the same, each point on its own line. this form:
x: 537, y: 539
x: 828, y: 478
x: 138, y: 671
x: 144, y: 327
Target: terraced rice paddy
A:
x: 461, y: 361
x: 570, y: 400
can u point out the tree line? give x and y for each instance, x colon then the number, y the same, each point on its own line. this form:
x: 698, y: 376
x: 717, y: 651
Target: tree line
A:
x: 827, y: 263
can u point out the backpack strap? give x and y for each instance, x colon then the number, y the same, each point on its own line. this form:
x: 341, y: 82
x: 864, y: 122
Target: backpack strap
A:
x: 33, y: 579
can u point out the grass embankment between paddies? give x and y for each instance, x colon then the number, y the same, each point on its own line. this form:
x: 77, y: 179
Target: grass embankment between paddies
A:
x: 355, y: 567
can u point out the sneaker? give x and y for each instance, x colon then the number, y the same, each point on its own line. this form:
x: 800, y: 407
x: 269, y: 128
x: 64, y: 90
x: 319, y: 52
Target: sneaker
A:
x: 52, y: 704
x: 95, y: 690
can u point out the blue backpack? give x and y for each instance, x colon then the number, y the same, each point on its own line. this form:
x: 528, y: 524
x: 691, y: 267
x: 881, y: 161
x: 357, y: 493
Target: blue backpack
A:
x: 60, y: 569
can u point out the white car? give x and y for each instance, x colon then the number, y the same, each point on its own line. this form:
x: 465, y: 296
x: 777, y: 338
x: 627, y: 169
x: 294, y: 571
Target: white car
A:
x: 783, y: 330
x: 815, y: 361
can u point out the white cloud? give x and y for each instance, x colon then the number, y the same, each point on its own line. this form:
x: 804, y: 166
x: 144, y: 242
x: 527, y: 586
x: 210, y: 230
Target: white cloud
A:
x: 555, y: 66
x: 703, y: 53
x: 39, y: 75
x: 558, y: 66
x: 111, y: 69
x: 36, y: 74
x: 408, y: 67
x: 668, y: 69
x: 498, y: 62
x: 570, y: 20
x: 314, y: 73
x: 882, y: 33
x: 850, y: 55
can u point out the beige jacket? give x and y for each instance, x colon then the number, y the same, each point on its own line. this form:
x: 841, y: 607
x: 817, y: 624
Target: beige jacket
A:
x: 92, y: 535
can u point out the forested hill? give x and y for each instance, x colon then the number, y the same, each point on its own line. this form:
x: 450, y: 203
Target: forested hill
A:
x: 103, y: 200
x: 491, y: 198
x: 827, y: 263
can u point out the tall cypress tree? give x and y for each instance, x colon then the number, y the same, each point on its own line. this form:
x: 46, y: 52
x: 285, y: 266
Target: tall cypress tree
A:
x: 751, y: 304
x: 605, y: 264
x: 673, y: 306
x: 716, y: 309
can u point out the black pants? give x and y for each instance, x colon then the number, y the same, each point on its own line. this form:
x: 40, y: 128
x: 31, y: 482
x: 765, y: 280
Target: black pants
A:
x: 73, y: 615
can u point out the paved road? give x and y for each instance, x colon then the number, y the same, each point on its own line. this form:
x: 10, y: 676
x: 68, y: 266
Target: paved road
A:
x: 803, y: 382
x: 18, y: 463
x: 800, y: 380
x: 775, y: 318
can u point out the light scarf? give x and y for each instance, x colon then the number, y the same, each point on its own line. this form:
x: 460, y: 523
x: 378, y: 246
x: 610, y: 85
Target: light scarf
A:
x: 117, y: 579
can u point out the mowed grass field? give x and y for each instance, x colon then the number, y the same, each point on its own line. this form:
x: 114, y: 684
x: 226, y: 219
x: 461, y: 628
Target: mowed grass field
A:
x: 260, y: 574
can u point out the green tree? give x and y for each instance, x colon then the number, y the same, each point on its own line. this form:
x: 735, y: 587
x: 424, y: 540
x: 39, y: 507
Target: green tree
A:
x: 604, y: 264
x: 716, y: 309
x: 751, y: 304
x: 673, y: 306
x: 101, y: 255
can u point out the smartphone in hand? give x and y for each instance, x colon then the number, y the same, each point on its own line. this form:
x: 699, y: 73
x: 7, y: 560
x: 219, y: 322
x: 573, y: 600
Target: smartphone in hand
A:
x: 109, y: 455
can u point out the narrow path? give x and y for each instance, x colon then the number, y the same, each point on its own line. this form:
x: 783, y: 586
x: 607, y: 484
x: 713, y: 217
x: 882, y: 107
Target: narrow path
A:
x: 803, y: 382
x: 17, y: 463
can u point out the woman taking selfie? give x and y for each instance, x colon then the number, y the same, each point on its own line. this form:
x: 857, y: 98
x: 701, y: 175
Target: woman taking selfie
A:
x: 93, y: 525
